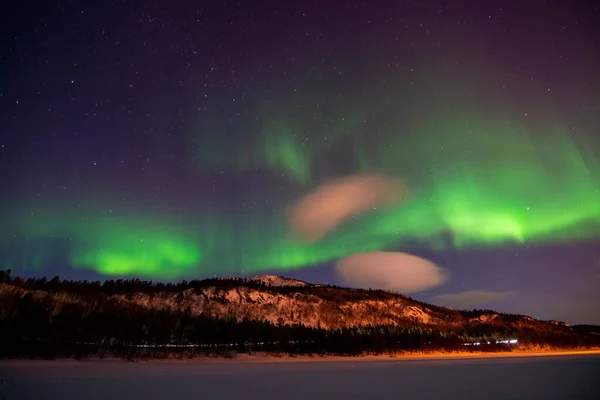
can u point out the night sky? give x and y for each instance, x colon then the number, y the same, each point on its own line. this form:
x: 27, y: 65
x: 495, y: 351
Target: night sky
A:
x: 186, y: 139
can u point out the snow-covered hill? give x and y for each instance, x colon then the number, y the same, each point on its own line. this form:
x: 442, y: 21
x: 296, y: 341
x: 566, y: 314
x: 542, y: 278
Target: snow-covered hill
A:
x: 290, y: 308
x: 288, y: 301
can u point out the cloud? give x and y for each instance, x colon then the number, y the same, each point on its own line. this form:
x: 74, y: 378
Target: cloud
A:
x: 333, y: 202
x: 390, y: 271
x: 470, y: 298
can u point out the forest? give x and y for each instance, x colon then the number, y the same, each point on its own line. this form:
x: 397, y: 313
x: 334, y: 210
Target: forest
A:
x: 85, y: 319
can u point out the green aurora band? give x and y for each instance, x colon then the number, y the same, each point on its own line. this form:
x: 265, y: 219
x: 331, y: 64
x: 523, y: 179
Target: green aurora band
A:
x: 475, y: 181
x: 112, y: 245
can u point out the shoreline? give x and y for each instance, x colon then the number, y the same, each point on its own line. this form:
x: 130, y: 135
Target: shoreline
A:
x: 263, y: 358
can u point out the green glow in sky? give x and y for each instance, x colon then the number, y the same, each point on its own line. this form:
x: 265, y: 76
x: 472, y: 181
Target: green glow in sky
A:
x: 123, y: 252
x: 495, y: 184
x: 477, y: 181
x: 115, y: 245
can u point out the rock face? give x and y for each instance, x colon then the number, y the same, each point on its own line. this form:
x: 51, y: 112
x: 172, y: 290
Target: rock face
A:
x: 280, y: 301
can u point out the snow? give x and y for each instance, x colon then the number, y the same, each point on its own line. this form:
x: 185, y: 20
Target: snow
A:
x: 484, y: 318
x: 558, y: 323
x: 417, y: 313
x: 306, y: 309
x: 546, y: 378
x: 274, y: 280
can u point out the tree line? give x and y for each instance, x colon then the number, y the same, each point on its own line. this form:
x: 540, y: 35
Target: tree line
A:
x: 84, y: 319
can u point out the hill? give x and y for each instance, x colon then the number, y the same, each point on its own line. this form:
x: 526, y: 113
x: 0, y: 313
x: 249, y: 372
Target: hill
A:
x: 278, y: 312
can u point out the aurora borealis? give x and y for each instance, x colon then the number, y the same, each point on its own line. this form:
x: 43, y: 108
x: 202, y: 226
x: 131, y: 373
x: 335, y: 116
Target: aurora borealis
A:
x: 159, y: 141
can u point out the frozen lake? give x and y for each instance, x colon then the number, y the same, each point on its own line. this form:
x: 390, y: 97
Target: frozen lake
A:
x: 564, y: 377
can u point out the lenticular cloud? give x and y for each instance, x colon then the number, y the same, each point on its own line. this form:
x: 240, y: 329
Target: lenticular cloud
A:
x: 330, y: 204
x: 390, y: 271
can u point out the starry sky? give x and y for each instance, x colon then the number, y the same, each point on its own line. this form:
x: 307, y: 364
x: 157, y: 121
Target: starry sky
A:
x: 183, y: 140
